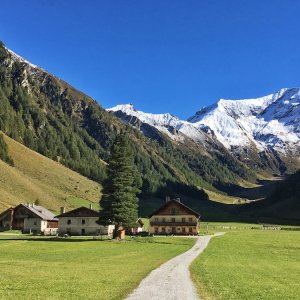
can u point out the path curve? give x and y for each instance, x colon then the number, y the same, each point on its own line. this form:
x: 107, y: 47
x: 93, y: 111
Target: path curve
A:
x: 172, y: 281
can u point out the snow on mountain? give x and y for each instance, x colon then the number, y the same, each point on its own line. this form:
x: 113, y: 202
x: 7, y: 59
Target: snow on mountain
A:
x: 267, y: 122
x: 17, y: 57
x: 166, y: 123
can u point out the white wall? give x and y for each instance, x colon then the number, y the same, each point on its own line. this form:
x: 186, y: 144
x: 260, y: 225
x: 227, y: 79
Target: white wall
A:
x: 37, y: 226
x: 90, y: 227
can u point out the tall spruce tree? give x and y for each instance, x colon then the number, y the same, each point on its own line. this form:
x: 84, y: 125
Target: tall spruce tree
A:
x: 119, y: 200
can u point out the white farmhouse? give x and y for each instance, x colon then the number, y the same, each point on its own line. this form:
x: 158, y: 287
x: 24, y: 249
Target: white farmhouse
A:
x: 82, y: 221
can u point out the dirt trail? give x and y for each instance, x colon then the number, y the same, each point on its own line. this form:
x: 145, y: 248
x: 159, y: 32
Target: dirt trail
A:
x: 172, y: 281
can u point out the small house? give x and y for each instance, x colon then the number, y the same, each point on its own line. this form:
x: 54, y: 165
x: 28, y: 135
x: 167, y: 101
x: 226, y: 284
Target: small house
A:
x: 82, y: 221
x: 139, y: 227
x: 29, y: 218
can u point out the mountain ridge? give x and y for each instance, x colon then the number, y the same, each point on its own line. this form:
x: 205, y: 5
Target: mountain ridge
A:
x: 268, y: 126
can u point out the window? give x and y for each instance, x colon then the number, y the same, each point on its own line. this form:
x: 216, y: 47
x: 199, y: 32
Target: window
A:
x: 173, y: 220
x: 173, y: 211
x: 82, y: 231
x: 69, y: 222
x: 35, y: 223
x: 163, y: 229
x: 190, y: 229
x: 190, y: 219
x: 183, y: 220
x: 83, y: 221
x: 156, y: 229
x: 156, y: 219
x: 183, y: 229
x: 164, y: 219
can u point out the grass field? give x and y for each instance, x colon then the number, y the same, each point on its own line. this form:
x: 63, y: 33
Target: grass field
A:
x: 78, y: 269
x: 250, y: 265
x: 36, y: 177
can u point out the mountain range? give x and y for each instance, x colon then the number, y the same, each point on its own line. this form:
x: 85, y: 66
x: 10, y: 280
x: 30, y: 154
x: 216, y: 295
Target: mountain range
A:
x: 226, y: 145
x: 262, y: 133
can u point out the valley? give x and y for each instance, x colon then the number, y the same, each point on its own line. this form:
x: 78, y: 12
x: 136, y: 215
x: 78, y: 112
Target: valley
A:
x: 43, y: 116
x: 149, y: 150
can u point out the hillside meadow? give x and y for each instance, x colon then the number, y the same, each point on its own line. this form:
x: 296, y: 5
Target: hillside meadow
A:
x: 35, y: 177
x: 249, y: 265
x: 44, y: 268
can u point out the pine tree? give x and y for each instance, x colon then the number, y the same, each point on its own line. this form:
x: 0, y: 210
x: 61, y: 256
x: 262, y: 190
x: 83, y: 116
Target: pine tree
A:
x: 119, y: 200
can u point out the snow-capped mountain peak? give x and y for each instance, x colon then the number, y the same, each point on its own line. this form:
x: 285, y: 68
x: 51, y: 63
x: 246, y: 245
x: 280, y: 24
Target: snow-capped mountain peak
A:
x: 167, y: 123
x: 17, y: 57
x: 152, y: 119
x: 269, y: 123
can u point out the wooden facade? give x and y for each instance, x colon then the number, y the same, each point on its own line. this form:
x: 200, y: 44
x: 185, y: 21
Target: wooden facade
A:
x: 174, y: 218
x: 29, y: 218
x: 6, y: 219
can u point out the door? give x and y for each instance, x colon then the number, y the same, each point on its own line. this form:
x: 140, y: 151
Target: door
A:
x: 82, y: 231
x: 174, y: 230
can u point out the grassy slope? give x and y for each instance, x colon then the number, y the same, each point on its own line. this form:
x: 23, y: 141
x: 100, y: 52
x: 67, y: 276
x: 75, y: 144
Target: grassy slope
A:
x: 250, y: 265
x: 37, y: 177
x: 281, y: 205
x: 80, y: 269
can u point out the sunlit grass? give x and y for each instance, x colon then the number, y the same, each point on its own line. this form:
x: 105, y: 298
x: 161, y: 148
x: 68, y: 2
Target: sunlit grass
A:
x: 75, y: 269
x: 249, y: 265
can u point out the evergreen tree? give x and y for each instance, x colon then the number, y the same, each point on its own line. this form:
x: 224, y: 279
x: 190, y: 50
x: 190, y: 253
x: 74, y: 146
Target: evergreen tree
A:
x: 119, y: 200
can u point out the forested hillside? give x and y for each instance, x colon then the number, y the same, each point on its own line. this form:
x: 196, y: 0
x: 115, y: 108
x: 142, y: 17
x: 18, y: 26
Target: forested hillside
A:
x: 51, y: 117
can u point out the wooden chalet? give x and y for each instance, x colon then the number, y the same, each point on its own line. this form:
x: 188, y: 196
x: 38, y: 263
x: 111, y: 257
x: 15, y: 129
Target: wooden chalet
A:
x: 174, y: 218
x: 29, y: 218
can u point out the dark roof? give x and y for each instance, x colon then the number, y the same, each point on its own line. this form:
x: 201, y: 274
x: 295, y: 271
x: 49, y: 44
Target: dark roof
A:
x: 39, y: 211
x: 177, y: 202
x: 140, y: 221
x: 6, y: 211
x: 80, y: 212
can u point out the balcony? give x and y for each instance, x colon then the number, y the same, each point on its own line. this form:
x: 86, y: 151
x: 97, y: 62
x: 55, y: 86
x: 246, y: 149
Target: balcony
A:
x: 160, y: 223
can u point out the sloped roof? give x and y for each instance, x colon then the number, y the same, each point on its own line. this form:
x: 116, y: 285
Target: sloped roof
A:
x: 6, y: 211
x: 178, y: 203
x: 40, y: 212
x: 80, y: 212
x: 140, y: 222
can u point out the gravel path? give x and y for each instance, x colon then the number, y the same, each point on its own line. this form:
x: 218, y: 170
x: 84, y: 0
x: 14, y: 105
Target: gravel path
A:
x: 172, y: 281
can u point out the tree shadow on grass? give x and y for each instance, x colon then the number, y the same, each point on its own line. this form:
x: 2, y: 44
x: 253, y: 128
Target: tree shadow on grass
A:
x: 56, y: 239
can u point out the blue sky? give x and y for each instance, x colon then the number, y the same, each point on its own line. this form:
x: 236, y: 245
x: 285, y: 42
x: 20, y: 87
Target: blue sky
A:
x: 161, y: 55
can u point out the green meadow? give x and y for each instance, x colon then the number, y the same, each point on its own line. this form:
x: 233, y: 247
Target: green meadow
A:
x: 249, y: 265
x: 45, y: 268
